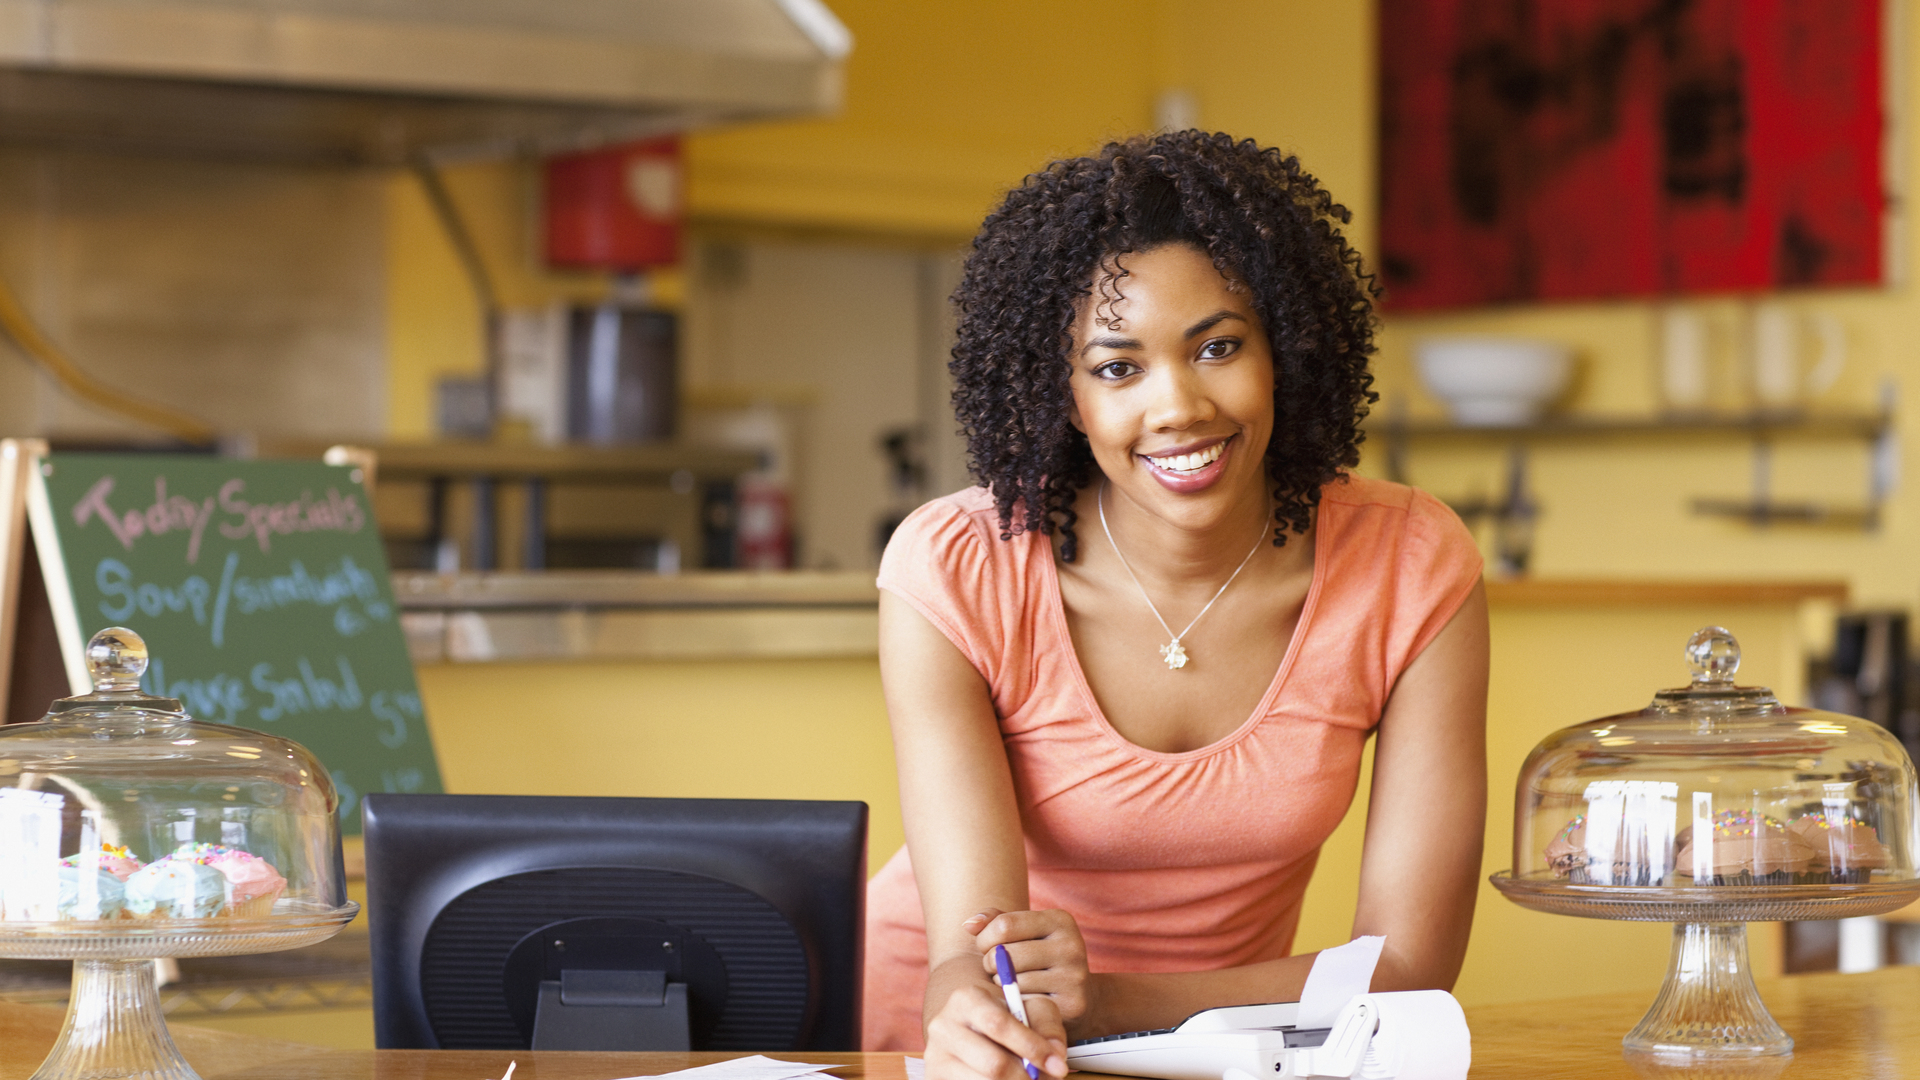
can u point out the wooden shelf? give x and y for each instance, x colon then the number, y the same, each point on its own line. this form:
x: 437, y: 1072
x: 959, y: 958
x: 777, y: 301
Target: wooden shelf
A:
x: 1762, y: 429
x: 1795, y: 424
x: 1640, y: 593
x: 643, y: 463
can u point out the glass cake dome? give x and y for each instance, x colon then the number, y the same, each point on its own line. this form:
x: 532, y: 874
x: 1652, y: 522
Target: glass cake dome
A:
x: 1714, y: 806
x: 131, y: 831
x: 1717, y: 786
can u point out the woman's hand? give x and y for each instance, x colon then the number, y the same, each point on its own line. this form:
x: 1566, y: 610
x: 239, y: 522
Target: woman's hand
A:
x: 1048, y: 954
x: 975, y: 1037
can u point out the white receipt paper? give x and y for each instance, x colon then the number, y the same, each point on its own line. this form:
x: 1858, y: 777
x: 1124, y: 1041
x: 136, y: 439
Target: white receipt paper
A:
x: 757, y: 1067
x: 916, y: 1068
x: 1337, y: 975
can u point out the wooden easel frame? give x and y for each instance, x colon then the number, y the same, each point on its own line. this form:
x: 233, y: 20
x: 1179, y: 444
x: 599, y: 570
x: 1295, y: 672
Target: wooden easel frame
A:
x: 16, y: 458
x: 25, y: 511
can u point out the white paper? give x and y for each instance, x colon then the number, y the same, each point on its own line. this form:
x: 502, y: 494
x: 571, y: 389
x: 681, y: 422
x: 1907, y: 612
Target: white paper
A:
x: 1338, y: 974
x: 1422, y: 1036
x: 916, y: 1068
x: 757, y: 1067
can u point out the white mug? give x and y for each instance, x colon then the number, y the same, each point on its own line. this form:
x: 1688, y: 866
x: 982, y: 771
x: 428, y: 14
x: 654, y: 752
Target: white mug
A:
x: 1686, y: 359
x: 1776, y: 345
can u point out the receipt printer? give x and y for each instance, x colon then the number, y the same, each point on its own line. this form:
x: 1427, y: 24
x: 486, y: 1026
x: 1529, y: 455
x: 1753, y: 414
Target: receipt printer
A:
x: 1409, y: 1035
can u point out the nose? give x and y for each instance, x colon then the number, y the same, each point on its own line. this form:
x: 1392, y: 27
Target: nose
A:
x: 1179, y: 400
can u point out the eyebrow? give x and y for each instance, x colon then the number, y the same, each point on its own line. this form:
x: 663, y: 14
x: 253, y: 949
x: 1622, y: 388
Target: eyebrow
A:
x: 1212, y: 321
x: 1124, y: 343
x: 1121, y: 343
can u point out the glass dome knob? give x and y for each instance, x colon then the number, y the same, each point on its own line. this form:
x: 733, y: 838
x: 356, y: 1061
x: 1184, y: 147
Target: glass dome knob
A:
x: 1714, y: 655
x: 116, y: 658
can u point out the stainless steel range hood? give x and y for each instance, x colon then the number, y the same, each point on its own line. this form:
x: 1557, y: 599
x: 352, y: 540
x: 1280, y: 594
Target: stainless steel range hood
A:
x: 375, y: 81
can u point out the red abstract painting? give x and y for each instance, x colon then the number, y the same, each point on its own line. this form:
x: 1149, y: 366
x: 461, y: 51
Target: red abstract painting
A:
x: 1576, y: 149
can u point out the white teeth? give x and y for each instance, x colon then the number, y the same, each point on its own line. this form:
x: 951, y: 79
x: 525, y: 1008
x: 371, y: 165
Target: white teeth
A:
x: 1190, y: 462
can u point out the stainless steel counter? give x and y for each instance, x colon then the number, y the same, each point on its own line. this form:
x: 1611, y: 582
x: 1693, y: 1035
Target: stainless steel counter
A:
x: 621, y: 615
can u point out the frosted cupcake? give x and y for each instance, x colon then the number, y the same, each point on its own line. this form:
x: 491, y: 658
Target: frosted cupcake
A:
x: 252, y: 883
x: 1635, y: 858
x: 176, y: 888
x: 1844, y: 850
x: 1568, y: 851
x: 115, y: 859
x: 1748, y: 850
x: 89, y: 893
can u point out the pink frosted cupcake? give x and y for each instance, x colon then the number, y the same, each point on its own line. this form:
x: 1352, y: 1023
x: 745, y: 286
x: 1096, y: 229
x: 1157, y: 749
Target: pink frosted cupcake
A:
x: 115, y: 859
x: 252, y: 883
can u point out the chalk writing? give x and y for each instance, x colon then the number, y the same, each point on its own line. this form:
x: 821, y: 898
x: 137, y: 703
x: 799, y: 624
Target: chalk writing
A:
x: 333, y: 512
x: 219, y: 698
x: 347, y: 587
x: 167, y: 514
x: 395, y: 709
x: 306, y: 692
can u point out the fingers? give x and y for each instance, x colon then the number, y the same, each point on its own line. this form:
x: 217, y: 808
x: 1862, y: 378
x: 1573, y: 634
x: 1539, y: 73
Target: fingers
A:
x: 1047, y: 952
x: 974, y: 1037
x: 1007, y: 927
x: 1043, y: 1017
x: 974, y: 923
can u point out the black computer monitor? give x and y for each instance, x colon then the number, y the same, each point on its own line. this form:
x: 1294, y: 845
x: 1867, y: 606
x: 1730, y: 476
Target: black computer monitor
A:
x: 512, y: 922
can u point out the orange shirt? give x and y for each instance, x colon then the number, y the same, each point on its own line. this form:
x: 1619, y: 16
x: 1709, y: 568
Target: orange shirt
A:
x: 1169, y: 862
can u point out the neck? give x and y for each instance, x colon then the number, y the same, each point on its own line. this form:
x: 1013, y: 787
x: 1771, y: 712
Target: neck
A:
x: 1174, y: 554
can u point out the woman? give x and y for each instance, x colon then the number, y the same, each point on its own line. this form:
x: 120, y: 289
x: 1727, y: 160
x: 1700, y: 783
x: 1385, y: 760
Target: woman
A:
x: 1131, y: 675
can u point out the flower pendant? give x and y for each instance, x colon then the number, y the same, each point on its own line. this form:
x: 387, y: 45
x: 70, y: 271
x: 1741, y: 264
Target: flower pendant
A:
x: 1175, y: 654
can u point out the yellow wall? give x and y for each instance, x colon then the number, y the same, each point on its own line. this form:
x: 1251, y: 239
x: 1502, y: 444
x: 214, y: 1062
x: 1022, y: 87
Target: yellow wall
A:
x: 762, y: 729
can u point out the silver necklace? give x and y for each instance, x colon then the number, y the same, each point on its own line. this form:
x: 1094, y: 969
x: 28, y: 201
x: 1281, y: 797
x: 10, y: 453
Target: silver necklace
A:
x: 1174, y: 653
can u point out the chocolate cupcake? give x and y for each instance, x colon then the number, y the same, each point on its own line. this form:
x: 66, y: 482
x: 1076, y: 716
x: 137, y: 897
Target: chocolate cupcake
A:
x: 1845, y: 851
x: 1630, y: 861
x: 1749, y: 850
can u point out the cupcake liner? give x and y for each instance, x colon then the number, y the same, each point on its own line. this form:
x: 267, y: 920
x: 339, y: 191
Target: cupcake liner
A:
x: 255, y: 908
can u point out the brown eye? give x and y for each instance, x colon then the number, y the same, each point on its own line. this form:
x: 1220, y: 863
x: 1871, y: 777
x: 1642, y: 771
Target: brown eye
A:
x: 1219, y: 348
x: 1114, y: 369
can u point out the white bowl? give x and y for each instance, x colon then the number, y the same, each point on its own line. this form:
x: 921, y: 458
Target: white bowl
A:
x: 1494, y: 382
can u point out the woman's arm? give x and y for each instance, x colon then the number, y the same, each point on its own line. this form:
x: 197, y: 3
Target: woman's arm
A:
x: 963, y: 829
x: 1427, y: 816
x: 1419, y: 872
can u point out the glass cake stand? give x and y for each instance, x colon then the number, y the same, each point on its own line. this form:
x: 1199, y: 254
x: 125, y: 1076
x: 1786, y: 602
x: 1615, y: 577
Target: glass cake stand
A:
x: 1708, y: 1006
x: 131, y: 775
x: 1714, y: 807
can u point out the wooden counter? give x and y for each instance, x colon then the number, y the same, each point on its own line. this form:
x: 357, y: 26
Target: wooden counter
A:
x: 1847, y: 1027
x: 720, y: 614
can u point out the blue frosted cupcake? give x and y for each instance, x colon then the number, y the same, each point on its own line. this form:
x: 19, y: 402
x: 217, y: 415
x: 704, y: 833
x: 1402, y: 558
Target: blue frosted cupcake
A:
x: 89, y: 893
x: 176, y: 888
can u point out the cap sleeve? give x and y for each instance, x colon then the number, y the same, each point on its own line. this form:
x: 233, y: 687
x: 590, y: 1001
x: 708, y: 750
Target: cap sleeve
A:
x: 1394, y: 565
x: 940, y: 562
x: 1438, y: 567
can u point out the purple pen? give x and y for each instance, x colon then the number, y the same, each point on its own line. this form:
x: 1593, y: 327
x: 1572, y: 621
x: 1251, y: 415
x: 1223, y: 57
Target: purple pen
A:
x: 1010, y: 986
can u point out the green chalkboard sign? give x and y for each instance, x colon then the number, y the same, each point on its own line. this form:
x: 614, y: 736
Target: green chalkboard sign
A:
x: 261, y: 590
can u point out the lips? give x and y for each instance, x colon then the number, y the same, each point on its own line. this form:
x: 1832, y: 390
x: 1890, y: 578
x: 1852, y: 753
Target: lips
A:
x: 1189, y: 469
x: 1188, y: 462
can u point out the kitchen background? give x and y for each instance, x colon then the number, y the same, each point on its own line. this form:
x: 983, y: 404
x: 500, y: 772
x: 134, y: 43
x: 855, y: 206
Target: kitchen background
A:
x: 311, y: 303
x: 327, y: 302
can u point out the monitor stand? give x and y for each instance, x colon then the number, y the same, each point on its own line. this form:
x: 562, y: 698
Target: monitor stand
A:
x: 611, y: 1010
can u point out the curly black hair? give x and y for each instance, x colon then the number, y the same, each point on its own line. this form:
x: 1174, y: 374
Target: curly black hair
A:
x: 1266, y: 223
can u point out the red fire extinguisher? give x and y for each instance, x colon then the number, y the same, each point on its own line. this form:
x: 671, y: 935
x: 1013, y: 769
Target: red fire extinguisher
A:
x: 618, y: 208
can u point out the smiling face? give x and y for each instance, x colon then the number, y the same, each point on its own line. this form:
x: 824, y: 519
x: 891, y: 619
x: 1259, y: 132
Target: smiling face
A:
x: 1173, y: 386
